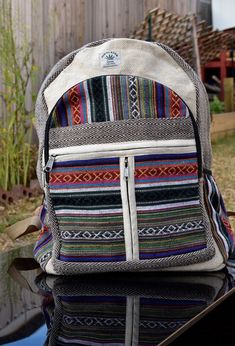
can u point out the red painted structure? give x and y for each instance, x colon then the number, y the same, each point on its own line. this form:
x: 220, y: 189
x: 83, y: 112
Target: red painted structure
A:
x: 223, y: 64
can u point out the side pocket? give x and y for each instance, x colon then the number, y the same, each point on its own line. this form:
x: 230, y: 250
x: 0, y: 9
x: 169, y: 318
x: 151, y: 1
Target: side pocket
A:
x: 217, y: 213
x: 43, y: 248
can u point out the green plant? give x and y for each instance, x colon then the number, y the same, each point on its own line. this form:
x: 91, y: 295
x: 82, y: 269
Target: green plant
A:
x: 216, y: 106
x: 16, y: 71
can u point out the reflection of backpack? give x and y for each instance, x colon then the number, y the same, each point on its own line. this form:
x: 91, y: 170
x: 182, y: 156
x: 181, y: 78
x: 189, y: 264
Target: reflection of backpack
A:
x: 125, y: 310
x: 124, y: 161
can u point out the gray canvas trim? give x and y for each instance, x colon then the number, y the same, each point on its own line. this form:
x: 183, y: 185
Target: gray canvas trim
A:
x: 203, y: 109
x: 121, y: 131
x: 163, y: 288
x: 201, y: 286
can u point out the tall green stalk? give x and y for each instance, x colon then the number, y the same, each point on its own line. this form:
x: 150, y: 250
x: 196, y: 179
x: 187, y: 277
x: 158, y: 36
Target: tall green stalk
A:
x: 16, y: 70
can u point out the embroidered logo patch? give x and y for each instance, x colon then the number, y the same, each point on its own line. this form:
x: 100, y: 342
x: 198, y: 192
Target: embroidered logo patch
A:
x: 110, y: 59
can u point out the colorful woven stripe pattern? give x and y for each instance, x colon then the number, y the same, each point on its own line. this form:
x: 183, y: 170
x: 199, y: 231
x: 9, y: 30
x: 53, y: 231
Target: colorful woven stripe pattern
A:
x: 87, y: 202
x: 168, y: 205
x: 91, y: 320
x: 161, y: 317
x: 111, y: 98
x: 102, y: 320
x: 218, y: 214
x: 43, y: 247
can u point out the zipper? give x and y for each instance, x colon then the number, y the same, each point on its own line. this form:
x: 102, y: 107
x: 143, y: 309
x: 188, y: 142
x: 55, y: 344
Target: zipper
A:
x: 47, y: 167
x: 126, y: 169
x: 94, y: 153
x: 198, y: 145
x: 46, y: 143
x: 126, y: 182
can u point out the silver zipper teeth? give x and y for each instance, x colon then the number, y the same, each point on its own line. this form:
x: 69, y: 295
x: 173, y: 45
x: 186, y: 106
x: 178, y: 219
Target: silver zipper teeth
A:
x: 126, y: 169
x: 126, y: 176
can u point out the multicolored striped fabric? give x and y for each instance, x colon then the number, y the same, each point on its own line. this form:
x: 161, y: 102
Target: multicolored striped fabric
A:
x: 43, y: 247
x: 102, y: 320
x: 121, y: 309
x: 160, y: 317
x: 91, y: 320
x: 87, y: 203
x: 116, y: 310
x: 218, y: 214
x: 168, y: 205
x: 112, y: 98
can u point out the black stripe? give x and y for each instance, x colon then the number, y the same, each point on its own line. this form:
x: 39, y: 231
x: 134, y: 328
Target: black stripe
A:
x: 105, y: 200
x: 167, y: 195
x: 95, y: 88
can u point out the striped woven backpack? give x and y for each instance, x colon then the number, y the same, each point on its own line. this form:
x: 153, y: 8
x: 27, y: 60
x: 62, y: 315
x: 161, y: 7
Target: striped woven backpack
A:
x: 124, y: 162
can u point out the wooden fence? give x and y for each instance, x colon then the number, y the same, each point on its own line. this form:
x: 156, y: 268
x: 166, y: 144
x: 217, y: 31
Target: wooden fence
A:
x: 222, y: 125
x: 56, y: 27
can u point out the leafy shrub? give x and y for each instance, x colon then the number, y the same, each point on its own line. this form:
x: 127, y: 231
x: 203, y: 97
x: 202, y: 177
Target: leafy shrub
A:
x: 16, y: 71
x: 216, y: 106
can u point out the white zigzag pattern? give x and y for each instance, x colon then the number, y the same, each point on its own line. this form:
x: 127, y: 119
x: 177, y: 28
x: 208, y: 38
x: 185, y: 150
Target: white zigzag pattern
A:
x: 92, y: 235
x: 133, y: 98
x: 183, y: 227
x: 93, y: 321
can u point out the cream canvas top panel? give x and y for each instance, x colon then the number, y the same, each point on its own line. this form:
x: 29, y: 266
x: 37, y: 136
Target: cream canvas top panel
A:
x: 126, y: 57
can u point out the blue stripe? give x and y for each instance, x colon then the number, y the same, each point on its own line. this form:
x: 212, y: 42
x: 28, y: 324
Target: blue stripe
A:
x: 167, y: 108
x: 159, y: 301
x: 165, y: 156
x: 88, y: 162
x: 94, y: 299
x: 68, y: 108
x: 171, y: 253
x: 160, y: 100
x: 167, y: 178
x: 81, y: 88
x: 71, y: 169
x: 61, y: 111
x: 72, y: 186
x: 92, y: 259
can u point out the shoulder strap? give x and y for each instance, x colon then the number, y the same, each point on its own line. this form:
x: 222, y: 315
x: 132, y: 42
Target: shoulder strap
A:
x: 26, y: 226
x: 23, y: 264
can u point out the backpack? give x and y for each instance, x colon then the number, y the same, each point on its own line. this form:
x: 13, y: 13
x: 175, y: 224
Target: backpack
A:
x: 125, y: 164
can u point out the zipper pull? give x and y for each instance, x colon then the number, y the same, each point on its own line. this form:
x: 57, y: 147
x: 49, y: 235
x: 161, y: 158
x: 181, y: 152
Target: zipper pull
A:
x: 50, y: 163
x: 126, y: 170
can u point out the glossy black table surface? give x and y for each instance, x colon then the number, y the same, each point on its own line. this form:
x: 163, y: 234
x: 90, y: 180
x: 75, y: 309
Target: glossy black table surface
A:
x: 115, y: 309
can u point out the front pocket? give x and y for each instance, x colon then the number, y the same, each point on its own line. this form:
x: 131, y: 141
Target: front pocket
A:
x: 87, y: 202
x: 167, y: 214
x: 134, y: 201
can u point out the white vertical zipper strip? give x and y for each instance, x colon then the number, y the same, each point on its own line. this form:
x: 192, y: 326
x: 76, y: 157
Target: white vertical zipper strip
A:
x: 132, y: 204
x: 124, y: 180
x: 129, y: 320
x: 136, y: 321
